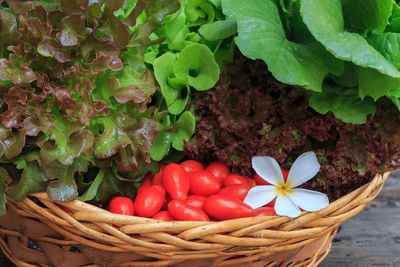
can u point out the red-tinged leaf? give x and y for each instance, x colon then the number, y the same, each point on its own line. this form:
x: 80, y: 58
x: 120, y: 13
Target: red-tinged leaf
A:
x: 73, y: 30
x: 130, y: 20
x: 20, y: 6
x: 128, y: 162
x: 9, y: 32
x: 49, y: 47
x: 156, y: 10
x: 144, y: 134
x: 34, y: 125
x: 16, y: 74
x: 141, y: 37
x: 125, y: 94
x: 114, y: 31
x: 14, y: 145
x: 74, y: 6
x: 16, y: 100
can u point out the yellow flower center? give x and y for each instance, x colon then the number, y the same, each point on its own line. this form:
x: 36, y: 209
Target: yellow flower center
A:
x: 284, y: 188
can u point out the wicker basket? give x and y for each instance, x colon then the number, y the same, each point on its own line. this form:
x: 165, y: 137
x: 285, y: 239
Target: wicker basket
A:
x: 37, y: 232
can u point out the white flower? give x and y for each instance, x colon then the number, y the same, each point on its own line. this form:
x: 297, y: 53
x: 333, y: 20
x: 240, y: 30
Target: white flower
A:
x: 288, y: 198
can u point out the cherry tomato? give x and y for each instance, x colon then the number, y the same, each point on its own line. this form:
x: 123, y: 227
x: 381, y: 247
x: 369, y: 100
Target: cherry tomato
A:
x: 121, y: 205
x: 163, y: 216
x: 184, y: 212
x: 226, y: 207
x: 238, y: 191
x: 196, y: 201
x: 235, y: 179
x: 146, y: 182
x: 251, y: 182
x: 271, y: 204
x: 259, y: 180
x: 204, y: 183
x: 161, y: 166
x: 157, y: 179
x: 150, y: 201
x: 192, y: 166
x: 220, y: 170
x: 176, y: 181
x: 264, y: 211
x: 166, y: 202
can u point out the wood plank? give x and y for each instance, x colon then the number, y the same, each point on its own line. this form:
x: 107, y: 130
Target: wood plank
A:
x: 371, y: 238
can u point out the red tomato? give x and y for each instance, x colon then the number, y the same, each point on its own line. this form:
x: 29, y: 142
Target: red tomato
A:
x: 259, y: 180
x: 121, y: 205
x: 264, y: 211
x: 235, y: 179
x: 192, y: 166
x: 146, y: 182
x: 176, y: 181
x: 157, y: 179
x: 161, y: 166
x: 150, y: 201
x: 184, y: 212
x: 163, y: 216
x: 219, y: 170
x: 226, y: 207
x: 196, y: 201
x: 251, y: 182
x: 167, y: 200
x: 238, y: 191
x: 204, y: 183
x: 271, y: 204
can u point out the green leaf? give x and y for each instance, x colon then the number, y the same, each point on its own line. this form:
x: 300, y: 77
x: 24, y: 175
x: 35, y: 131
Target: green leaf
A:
x: 63, y: 187
x: 199, y: 12
x: 176, y: 32
x: 71, y: 140
x: 112, y: 186
x: 161, y: 146
x: 344, y: 103
x: 375, y: 84
x: 388, y: 44
x: 186, y: 126
x: 32, y: 180
x: 196, y: 63
x: 218, y: 30
x: 261, y: 36
x: 329, y: 30
x: 92, y: 190
x: 174, y: 90
x: 363, y: 15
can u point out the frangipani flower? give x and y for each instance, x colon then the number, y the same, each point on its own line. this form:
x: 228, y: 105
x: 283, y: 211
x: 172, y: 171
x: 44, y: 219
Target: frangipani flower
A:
x: 288, y: 198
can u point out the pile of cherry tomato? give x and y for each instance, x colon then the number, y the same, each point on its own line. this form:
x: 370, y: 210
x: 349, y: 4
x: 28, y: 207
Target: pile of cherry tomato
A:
x: 190, y: 192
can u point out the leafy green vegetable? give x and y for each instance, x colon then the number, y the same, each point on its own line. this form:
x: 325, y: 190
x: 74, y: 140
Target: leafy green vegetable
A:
x: 345, y: 103
x: 174, y: 134
x: 329, y: 30
x: 76, y: 96
x: 289, y: 62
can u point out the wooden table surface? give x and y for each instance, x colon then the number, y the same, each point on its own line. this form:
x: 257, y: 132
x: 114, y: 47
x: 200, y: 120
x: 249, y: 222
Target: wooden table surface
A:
x: 371, y: 238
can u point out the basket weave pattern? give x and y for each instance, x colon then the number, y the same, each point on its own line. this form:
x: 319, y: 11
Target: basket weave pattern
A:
x: 37, y: 232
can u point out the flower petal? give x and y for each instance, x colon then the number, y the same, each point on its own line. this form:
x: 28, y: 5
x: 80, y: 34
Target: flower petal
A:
x: 268, y: 169
x: 260, y: 195
x: 309, y: 200
x: 285, y: 207
x: 304, y: 168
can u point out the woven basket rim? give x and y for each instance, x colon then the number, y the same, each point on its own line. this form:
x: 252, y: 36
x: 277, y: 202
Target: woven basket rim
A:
x: 171, y: 242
